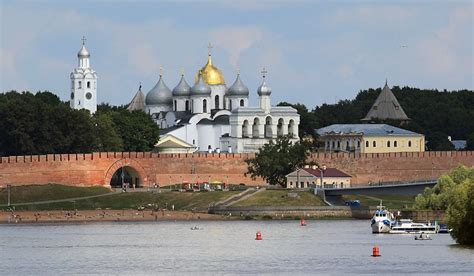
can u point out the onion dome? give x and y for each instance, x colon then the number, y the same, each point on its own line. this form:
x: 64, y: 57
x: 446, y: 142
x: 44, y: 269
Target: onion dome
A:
x: 159, y: 94
x: 263, y: 89
x: 211, y: 74
x: 182, y: 89
x: 201, y: 88
x: 83, y: 52
x: 238, y: 88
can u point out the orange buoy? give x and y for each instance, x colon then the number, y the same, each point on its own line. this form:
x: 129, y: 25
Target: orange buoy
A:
x: 259, y: 236
x: 303, y: 222
x: 375, y: 252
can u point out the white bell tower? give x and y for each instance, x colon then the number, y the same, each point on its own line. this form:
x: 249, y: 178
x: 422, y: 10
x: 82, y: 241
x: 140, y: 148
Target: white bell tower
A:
x: 84, y: 82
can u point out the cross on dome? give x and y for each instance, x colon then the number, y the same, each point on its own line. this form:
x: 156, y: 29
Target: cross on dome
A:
x: 182, y: 71
x: 161, y: 71
x: 209, y: 47
x: 264, y: 72
x: 83, y: 40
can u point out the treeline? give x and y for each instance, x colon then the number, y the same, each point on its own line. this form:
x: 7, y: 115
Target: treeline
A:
x: 42, y: 124
x: 436, y: 114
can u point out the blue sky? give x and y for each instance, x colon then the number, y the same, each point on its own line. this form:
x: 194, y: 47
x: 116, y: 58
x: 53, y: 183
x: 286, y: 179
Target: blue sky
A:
x: 314, y: 51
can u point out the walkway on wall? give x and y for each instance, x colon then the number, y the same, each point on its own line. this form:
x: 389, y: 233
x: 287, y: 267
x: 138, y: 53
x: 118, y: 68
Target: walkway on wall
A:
x: 408, y: 188
x: 239, y: 197
x: 60, y: 200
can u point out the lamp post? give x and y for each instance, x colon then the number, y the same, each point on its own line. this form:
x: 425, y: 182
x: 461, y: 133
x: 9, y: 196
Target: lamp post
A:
x: 9, y: 192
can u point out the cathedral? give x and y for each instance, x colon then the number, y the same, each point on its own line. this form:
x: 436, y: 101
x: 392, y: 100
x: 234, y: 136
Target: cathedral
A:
x: 209, y: 116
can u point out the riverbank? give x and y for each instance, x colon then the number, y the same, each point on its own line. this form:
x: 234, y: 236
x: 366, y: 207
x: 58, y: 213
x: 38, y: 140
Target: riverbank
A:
x: 105, y: 216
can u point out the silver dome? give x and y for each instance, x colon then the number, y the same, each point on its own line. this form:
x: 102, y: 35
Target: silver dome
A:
x: 159, y: 94
x: 264, y: 90
x: 182, y: 89
x: 238, y: 88
x: 83, y: 53
x: 201, y: 88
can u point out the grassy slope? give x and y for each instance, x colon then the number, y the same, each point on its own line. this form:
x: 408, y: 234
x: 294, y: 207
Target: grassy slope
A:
x: 389, y: 201
x: 32, y: 193
x: 281, y: 198
x: 181, y: 201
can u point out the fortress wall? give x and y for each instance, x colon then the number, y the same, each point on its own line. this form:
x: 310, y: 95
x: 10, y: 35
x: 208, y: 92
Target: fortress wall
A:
x: 97, y: 168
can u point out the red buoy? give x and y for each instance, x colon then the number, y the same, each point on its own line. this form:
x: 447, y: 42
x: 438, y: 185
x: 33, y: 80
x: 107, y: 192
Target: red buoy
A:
x: 303, y: 222
x: 375, y: 252
x: 259, y: 236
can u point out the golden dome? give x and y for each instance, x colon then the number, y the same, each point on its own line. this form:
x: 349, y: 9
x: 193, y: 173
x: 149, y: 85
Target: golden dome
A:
x: 210, y: 73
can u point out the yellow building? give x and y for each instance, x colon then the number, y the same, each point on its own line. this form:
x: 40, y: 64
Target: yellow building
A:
x: 370, y: 138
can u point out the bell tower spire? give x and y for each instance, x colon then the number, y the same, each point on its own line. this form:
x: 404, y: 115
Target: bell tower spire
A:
x: 84, y: 82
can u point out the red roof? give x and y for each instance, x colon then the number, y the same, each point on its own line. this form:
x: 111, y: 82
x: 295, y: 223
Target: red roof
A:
x: 329, y: 172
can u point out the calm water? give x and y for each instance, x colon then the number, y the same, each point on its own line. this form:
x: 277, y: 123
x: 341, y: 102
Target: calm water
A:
x: 322, y: 247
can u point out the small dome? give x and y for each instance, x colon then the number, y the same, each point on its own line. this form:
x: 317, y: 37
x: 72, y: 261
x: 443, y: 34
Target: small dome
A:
x: 263, y: 89
x: 238, y: 88
x: 182, y: 89
x: 201, y: 88
x: 83, y: 53
x: 159, y: 94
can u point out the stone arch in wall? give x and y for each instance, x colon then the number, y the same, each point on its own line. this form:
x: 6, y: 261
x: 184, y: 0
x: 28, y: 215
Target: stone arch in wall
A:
x: 280, y: 124
x: 131, y: 168
x: 268, y: 127
x: 255, y: 128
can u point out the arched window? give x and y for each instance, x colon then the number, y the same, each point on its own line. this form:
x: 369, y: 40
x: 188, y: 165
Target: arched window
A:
x: 88, y: 84
x: 242, y: 102
x: 366, y: 144
x: 409, y: 143
x: 80, y: 84
x: 204, y: 106
x: 358, y: 144
x: 255, y: 131
x: 374, y: 144
x: 395, y: 143
x: 187, y: 105
x: 72, y: 84
x: 280, y: 128
x: 268, y: 128
x: 333, y: 144
x: 338, y: 144
x: 230, y: 104
x: 388, y: 144
x: 347, y: 145
x: 216, y: 102
x: 175, y: 105
x: 291, y: 129
x: 245, y: 129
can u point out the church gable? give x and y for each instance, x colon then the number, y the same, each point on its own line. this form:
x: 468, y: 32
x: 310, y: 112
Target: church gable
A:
x: 170, y: 141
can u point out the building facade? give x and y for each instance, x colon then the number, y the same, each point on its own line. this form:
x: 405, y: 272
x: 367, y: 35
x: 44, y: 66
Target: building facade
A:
x: 313, y: 176
x: 84, y: 82
x: 214, y: 118
x: 370, y: 138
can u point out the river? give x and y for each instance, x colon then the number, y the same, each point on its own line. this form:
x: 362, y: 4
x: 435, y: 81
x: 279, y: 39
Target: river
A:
x: 223, y: 247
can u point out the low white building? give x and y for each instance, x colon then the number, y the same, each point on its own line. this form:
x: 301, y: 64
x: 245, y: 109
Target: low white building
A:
x: 314, y: 176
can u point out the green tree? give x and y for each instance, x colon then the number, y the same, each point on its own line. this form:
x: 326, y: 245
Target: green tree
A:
x: 137, y: 130
x: 276, y: 159
x: 454, y: 193
x: 106, y: 136
x: 470, y: 142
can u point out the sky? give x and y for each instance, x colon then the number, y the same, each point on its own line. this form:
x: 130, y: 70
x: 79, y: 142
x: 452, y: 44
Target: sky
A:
x: 314, y: 51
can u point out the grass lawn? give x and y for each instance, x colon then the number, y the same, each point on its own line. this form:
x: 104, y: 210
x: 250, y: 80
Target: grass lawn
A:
x: 32, y: 193
x: 389, y: 201
x: 181, y: 201
x: 281, y: 198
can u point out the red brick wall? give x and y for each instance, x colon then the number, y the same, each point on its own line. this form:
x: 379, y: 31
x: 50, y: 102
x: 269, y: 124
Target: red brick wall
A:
x: 98, y: 168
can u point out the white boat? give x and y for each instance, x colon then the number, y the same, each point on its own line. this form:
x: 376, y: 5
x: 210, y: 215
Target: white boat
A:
x: 422, y: 237
x: 407, y: 226
x: 382, y: 220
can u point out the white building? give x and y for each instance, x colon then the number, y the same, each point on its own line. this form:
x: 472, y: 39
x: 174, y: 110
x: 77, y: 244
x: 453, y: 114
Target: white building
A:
x: 84, y: 83
x: 211, y: 117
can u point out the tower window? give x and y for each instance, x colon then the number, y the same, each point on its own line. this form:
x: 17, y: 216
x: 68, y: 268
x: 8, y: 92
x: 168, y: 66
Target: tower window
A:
x: 242, y: 102
x: 72, y: 96
x: 358, y: 144
x: 88, y: 95
x: 204, y: 106
x: 187, y: 105
x: 216, y: 103
x: 175, y: 105
x: 88, y: 84
x: 230, y: 105
x: 80, y: 84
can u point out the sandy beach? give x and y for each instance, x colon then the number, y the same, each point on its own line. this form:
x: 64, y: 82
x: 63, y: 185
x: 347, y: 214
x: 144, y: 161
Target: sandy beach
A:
x: 103, y: 215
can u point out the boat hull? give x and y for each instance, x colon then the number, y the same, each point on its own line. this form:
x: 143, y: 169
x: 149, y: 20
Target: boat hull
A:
x: 380, y: 227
